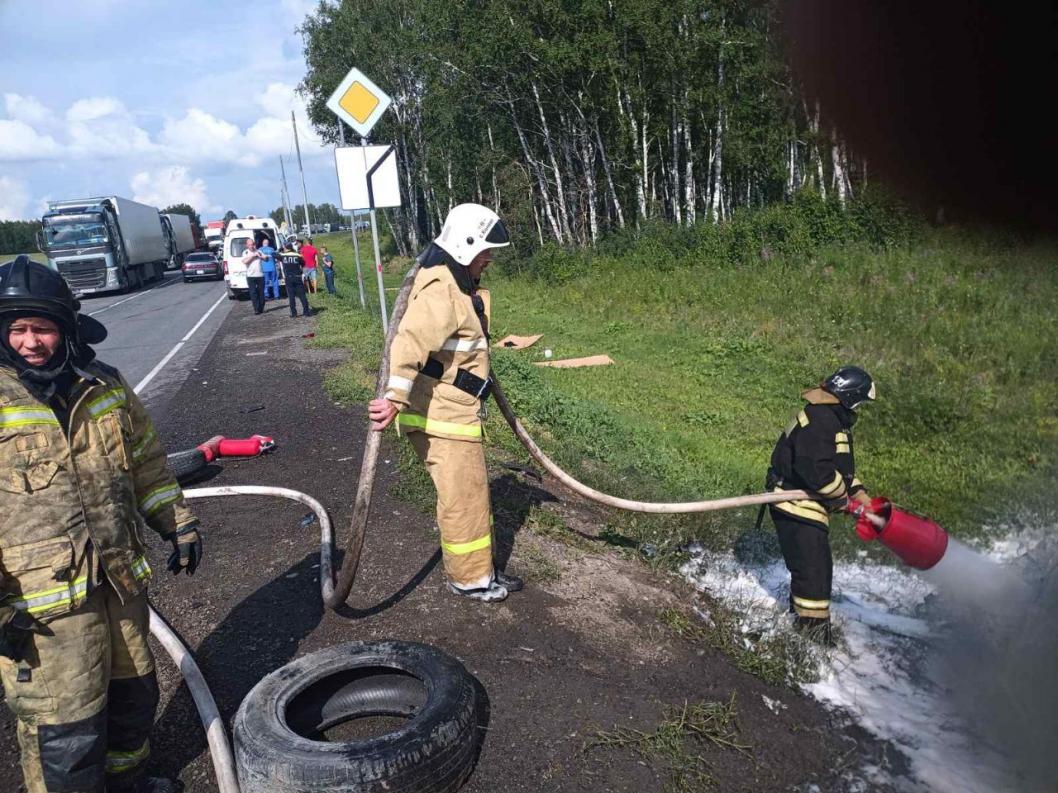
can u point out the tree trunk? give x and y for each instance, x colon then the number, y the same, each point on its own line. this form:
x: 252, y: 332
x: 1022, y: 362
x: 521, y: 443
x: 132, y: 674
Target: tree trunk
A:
x: 614, y: 200
x: 545, y: 197
x: 624, y: 106
x: 492, y: 165
x: 549, y: 146
x: 689, y: 209
x: 675, y: 197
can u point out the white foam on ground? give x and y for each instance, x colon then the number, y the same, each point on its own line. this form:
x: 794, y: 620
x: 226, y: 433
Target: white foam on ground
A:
x: 882, y: 675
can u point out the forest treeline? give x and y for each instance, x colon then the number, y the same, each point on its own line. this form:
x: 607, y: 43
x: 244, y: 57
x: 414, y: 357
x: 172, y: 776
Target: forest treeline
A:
x: 18, y: 236
x: 578, y: 117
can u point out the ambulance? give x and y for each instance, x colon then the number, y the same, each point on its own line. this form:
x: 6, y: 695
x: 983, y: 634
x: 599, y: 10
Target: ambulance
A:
x: 240, y: 231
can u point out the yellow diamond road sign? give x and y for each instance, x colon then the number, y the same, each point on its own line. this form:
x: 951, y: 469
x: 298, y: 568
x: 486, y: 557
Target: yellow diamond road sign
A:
x: 358, y: 102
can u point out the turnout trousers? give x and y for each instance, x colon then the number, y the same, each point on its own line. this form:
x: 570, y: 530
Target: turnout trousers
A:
x: 85, y: 697
x: 464, y: 511
x: 806, y: 551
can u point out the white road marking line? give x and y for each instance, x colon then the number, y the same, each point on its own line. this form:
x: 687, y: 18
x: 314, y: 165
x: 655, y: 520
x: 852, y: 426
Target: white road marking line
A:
x: 132, y: 297
x: 176, y: 348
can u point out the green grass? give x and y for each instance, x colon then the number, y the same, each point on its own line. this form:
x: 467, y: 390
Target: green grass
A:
x: 712, y: 353
x: 675, y: 747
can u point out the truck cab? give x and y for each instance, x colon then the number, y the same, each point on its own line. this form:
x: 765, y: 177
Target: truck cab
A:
x: 103, y: 244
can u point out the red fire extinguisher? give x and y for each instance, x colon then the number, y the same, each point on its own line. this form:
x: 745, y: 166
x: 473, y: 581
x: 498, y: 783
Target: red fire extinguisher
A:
x: 917, y: 540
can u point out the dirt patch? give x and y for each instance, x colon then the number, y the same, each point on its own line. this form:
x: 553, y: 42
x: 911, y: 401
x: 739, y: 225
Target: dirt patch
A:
x: 581, y: 650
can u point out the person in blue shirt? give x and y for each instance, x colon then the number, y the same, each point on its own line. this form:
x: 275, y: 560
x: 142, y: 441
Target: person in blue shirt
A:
x: 268, y: 269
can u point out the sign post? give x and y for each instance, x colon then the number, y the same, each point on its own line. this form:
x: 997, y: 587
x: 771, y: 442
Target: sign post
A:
x: 360, y: 103
x: 356, y: 240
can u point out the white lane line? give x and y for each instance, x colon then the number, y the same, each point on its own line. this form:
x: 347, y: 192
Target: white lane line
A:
x: 176, y: 348
x: 132, y: 297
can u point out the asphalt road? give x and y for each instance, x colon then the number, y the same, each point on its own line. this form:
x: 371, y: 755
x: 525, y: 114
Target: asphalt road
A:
x: 157, y: 335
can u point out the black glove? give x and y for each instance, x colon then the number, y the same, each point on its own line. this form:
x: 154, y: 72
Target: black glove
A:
x: 15, y: 628
x: 187, y: 550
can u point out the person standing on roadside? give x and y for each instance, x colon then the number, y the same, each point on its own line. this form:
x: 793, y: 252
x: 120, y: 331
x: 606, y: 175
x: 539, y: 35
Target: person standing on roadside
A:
x: 309, y: 254
x: 292, y: 263
x: 268, y: 269
x: 328, y: 270
x: 254, y: 275
x: 439, y: 381
x: 84, y: 479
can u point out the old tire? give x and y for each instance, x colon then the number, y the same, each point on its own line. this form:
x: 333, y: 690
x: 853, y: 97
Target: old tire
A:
x: 186, y: 465
x: 278, y: 743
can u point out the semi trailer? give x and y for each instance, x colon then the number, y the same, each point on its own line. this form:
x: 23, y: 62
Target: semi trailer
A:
x: 180, y: 239
x: 104, y: 244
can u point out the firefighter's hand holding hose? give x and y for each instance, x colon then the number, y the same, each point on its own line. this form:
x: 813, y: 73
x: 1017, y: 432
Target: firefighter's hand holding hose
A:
x: 381, y: 412
x: 868, y: 524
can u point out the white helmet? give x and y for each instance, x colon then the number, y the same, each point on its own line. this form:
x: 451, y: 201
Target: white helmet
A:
x: 470, y: 229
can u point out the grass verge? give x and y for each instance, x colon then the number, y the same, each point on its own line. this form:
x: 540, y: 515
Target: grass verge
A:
x: 676, y: 746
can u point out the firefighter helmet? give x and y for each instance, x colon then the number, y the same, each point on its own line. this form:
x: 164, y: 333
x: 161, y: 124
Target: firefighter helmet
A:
x: 851, y: 385
x: 29, y: 288
x: 470, y: 229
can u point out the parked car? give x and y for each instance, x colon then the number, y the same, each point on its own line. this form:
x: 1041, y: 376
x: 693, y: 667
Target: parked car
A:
x: 202, y: 265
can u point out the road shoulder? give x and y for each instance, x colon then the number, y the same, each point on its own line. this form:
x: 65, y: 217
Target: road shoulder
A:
x: 581, y: 651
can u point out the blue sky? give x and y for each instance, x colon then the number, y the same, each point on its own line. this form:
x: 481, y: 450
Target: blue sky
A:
x: 160, y: 102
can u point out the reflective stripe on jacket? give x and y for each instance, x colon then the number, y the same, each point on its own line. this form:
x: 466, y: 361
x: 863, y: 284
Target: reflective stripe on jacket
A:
x: 439, y: 323
x: 73, y: 504
x: 814, y: 453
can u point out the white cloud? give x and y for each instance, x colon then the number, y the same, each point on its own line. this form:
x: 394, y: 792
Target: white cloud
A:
x: 27, y: 109
x: 94, y: 108
x: 202, y: 136
x: 103, y: 127
x: 172, y: 184
x: 14, y: 199
x: 21, y: 142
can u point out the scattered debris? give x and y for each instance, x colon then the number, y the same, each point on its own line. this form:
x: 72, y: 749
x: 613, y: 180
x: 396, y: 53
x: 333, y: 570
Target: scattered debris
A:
x: 518, y: 342
x: 524, y: 469
x: 249, y: 354
x: 253, y: 409
x: 308, y: 520
x: 773, y: 705
x: 573, y: 363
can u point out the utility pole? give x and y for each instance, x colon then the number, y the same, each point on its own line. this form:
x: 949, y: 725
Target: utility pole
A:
x: 304, y: 190
x: 356, y: 241
x: 286, y: 198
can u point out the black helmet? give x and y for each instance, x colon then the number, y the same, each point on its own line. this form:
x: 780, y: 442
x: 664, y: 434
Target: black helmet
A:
x: 28, y: 287
x: 851, y: 385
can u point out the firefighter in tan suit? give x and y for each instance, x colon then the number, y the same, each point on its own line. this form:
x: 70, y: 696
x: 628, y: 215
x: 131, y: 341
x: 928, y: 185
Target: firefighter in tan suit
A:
x: 82, y: 479
x: 439, y: 381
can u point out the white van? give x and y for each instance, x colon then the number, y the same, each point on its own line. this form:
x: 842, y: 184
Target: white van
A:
x: 240, y: 230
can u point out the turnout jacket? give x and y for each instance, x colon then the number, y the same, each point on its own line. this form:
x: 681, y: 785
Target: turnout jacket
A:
x: 74, y: 505
x: 440, y: 323
x: 814, y: 453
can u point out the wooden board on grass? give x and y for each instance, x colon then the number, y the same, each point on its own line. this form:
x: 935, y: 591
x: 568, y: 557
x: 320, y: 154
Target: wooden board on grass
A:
x: 574, y: 363
x: 513, y: 342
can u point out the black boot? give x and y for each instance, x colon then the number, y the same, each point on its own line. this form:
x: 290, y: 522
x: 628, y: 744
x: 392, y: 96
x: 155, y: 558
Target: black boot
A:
x: 815, y: 629
x: 511, y: 583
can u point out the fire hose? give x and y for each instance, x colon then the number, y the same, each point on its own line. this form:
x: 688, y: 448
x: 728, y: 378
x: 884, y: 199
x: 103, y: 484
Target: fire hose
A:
x: 335, y: 588
x: 362, y: 506
x: 209, y: 715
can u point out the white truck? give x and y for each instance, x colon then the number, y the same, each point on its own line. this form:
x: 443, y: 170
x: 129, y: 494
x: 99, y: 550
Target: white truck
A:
x: 104, y: 244
x: 179, y: 238
x: 240, y: 230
